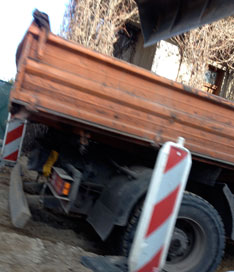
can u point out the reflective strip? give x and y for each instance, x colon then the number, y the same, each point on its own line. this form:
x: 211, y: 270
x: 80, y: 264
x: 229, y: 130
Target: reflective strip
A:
x: 176, y: 156
x: 162, y: 211
x: 11, y: 148
x: 152, y: 246
x: 170, y: 181
x: 155, y: 227
x: 154, y: 262
x: 13, y: 156
x: 13, y: 139
x: 14, y: 134
x: 58, y: 184
x: 13, y: 124
x: 154, y: 239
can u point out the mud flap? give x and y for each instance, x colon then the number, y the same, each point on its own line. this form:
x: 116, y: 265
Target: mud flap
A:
x: 19, y: 210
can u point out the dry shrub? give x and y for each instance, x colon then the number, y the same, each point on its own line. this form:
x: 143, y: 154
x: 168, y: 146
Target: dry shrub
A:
x: 209, y: 44
x: 96, y: 23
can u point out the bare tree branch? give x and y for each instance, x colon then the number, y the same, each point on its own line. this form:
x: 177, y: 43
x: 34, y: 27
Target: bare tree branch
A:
x: 209, y: 44
x: 96, y: 23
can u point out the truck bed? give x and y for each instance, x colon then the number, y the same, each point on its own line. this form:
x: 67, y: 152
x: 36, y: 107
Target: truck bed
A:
x: 59, y: 81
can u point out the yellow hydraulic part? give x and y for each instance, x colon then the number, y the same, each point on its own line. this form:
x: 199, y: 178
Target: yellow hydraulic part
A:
x: 50, y: 162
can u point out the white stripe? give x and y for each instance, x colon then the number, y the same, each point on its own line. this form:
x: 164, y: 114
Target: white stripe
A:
x: 11, y: 147
x: 13, y: 124
x: 171, y: 180
x: 152, y: 244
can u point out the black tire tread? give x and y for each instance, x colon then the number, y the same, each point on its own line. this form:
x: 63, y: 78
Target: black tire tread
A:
x: 189, y: 199
x: 208, y: 208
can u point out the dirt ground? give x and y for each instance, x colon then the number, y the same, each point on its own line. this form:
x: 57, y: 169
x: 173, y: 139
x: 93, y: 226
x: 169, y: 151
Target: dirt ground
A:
x: 48, y: 245
x: 51, y: 243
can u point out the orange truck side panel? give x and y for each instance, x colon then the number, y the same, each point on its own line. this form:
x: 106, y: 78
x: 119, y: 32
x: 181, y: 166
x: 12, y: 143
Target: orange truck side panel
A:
x: 62, y: 79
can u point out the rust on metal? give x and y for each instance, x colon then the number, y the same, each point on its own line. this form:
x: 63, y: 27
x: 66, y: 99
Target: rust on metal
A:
x: 92, y: 91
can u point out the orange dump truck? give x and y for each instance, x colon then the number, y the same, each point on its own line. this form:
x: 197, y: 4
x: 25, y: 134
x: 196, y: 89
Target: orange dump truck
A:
x: 106, y: 121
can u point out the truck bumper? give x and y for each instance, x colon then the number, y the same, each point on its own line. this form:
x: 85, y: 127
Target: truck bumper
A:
x: 19, y: 209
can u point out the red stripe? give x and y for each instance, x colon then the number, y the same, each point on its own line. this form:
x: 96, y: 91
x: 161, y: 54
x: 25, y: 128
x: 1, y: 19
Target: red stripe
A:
x: 176, y: 155
x: 162, y: 211
x: 14, y: 134
x: 59, y: 184
x: 12, y: 157
x: 153, y: 264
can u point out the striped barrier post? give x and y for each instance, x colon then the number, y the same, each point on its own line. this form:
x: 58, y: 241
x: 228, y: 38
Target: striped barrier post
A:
x: 152, y: 239
x: 13, y: 140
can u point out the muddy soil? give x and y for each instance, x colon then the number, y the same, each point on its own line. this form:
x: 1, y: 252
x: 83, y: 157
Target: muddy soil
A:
x: 51, y: 242
x: 40, y: 246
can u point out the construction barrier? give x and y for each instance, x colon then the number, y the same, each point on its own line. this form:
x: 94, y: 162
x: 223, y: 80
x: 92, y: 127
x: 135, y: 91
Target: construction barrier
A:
x: 158, y: 217
x: 13, y: 140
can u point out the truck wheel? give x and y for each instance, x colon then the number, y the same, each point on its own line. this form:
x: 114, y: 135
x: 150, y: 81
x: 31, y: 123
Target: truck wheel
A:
x: 198, y: 240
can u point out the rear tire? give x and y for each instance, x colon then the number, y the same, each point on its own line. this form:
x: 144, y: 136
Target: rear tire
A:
x: 198, y: 240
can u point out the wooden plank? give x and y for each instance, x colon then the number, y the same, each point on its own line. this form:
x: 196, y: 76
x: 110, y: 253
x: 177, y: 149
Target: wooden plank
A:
x: 78, y: 84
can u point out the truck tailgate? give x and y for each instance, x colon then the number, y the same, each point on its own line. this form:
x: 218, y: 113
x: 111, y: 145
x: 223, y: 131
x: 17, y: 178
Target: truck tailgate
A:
x: 62, y: 81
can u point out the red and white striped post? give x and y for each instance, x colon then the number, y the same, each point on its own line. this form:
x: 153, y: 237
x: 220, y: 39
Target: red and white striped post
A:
x: 158, y: 217
x: 13, y: 140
